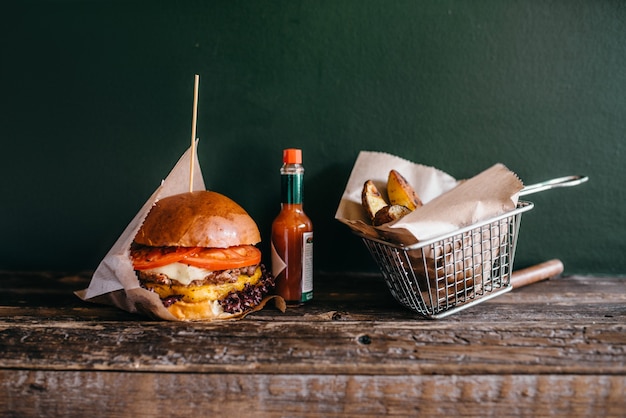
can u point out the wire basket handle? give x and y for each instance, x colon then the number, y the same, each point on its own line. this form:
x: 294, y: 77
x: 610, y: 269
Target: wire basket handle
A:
x: 552, y: 184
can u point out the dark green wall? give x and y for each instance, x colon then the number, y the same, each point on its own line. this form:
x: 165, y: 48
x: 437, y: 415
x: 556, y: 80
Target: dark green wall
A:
x: 96, y: 108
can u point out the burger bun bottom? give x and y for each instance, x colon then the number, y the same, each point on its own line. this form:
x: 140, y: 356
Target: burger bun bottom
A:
x: 209, y: 311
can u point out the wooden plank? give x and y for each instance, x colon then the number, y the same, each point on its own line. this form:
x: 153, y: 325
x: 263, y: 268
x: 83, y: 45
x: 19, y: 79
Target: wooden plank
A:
x: 354, y: 294
x: 347, y: 347
x: 489, y: 312
x: 117, y: 394
x: 46, y: 288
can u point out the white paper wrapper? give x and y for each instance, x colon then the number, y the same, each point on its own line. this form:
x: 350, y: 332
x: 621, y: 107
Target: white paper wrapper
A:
x: 115, y: 283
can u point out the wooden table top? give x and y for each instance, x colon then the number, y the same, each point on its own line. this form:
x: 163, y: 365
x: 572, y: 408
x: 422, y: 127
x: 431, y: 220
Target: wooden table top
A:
x: 553, y: 348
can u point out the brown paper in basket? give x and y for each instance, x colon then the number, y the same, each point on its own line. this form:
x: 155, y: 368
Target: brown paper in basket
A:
x: 114, y: 282
x: 448, y: 206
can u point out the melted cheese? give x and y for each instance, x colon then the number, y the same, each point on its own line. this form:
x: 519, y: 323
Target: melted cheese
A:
x: 206, y: 292
x: 183, y: 273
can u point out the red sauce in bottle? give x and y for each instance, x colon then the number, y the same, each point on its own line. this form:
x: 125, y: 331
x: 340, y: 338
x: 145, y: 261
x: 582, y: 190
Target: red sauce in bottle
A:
x: 292, y: 236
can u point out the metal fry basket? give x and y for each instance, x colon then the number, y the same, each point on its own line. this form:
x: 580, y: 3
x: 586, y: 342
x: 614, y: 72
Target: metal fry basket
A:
x: 444, y: 275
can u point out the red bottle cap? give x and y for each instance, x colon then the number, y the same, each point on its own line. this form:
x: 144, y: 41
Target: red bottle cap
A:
x: 292, y: 156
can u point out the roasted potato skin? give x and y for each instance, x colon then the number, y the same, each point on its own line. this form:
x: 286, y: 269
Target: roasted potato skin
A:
x: 390, y: 213
x: 400, y: 191
x: 402, y: 199
x: 372, y: 199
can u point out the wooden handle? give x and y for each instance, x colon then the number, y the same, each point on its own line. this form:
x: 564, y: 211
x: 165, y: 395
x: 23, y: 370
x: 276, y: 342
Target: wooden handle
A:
x: 536, y: 273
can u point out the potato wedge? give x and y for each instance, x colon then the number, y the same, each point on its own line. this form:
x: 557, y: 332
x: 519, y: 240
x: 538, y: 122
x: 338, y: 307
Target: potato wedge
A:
x: 371, y: 199
x: 390, y: 213
x: 400, y: 191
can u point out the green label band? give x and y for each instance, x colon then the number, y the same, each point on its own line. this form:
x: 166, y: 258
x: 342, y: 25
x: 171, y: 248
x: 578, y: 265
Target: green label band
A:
x: 291, y: 188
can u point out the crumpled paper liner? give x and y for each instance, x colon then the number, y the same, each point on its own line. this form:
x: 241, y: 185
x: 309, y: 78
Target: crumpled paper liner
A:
x: 449, y: 204
x: 455, y: 267
x: 115, y: 283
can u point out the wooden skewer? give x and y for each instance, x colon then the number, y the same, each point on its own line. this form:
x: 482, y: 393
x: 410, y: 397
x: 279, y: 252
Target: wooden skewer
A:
x: 536, y: 273
x: 193, y: 130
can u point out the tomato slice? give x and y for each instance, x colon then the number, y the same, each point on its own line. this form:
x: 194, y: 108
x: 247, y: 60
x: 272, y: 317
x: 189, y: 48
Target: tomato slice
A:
x: 224, y: 258
x: 145, y: 258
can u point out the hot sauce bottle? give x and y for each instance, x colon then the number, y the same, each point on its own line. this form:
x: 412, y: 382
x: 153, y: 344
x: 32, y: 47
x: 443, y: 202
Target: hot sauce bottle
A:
x: 292, y: 236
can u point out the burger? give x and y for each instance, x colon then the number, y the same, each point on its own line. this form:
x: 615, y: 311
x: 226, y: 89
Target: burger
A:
x: 198, y: 252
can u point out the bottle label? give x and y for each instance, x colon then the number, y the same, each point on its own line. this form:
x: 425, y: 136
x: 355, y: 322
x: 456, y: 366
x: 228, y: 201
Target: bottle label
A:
x: 307, y: 266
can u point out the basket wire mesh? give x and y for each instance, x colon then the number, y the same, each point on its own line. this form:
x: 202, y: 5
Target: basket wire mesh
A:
x: 444, y: 275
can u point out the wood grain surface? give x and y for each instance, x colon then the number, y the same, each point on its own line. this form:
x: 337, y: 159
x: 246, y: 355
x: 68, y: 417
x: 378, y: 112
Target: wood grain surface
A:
x: 555, y: 348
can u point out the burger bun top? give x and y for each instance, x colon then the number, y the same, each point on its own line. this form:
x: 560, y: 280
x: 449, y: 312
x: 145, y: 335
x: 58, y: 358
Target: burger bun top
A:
x: 198, y: 219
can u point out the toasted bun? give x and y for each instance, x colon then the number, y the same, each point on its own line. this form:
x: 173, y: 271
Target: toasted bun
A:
x: 198, y: 219
x: 189, y: 311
